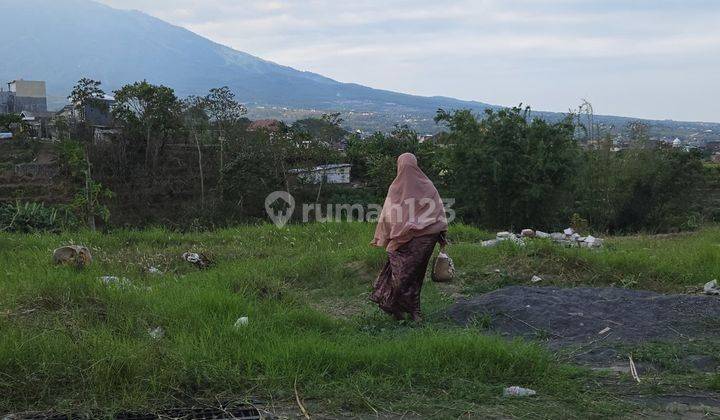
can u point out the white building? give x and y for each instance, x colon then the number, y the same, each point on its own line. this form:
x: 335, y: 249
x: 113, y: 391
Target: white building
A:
x: 326, y: 174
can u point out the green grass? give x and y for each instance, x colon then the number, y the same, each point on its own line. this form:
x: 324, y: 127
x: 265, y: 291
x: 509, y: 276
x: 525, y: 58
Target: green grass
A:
x: 68, y: 342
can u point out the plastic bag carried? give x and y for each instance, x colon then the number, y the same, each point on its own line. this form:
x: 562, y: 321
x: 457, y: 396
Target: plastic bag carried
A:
x: 443, y: 268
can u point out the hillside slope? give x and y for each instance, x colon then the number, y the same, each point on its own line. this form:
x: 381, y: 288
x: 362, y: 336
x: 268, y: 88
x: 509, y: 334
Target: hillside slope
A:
x: 63, y: 40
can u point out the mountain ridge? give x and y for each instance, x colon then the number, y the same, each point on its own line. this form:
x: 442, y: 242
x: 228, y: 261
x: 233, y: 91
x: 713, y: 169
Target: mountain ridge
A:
x: 61, y: 41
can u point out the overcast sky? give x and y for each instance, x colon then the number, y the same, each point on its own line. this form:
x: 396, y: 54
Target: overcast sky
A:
x: 640, y: 58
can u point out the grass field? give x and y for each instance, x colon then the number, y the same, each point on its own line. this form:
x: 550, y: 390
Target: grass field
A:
x: 69, y: 342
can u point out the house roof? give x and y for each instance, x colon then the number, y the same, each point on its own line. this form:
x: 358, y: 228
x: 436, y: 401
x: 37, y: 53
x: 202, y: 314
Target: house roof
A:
x: 30, y: 115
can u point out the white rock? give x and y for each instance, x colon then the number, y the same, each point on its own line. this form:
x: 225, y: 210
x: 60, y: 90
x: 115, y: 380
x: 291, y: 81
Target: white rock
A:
x: 540, y: 234
x: 157, y: 333
x: 711, y: 288
x: 242, y: 321
x: 503, y: 235
x: 569, y: 232
x: 557, y: 236
x: 527, y: 233
x: 491, y: 243
x: 536, y: 279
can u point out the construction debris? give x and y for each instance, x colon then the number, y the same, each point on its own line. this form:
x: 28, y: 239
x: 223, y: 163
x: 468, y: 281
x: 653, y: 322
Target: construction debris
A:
x: 568, y: 238
x: 516, y: 391
x: 121, y: 282
x: 76, y: 255
x: 199, y: 260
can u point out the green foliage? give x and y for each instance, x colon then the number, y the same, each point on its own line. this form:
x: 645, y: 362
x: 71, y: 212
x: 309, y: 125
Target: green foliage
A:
x: 506, y: 171
x: 223, y: 108
x: 310, y: 328
x: 374, y: 159
x: 8, y: 121
x: 253, y: 172
x: 34, y: 217
x: 87, y: 92
x: 644, y: 188
x: 325, y: 129
x: 149, y: 112
x: 91, y: 197
x: 88, y: 203
x: 72, y: 161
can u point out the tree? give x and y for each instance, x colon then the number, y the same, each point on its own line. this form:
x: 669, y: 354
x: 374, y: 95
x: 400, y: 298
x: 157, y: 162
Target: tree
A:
x: 87, y: 93
x: 151, y: 111
x: 374, y: 159
x: 197, y: 121
x: 507, y: 171
x: 326, y: 128
x: 10, y: 121
x: 225, y: 111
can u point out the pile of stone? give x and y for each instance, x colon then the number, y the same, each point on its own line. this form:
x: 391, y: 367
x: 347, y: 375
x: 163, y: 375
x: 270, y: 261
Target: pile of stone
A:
x: 568, y: 238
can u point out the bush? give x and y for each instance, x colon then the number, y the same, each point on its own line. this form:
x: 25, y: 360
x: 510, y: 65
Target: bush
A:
x: 644, y: 188
x: 506, y: 171
x: 34, y: 217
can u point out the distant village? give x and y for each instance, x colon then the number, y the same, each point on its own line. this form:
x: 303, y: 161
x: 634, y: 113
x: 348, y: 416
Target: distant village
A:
x: 28, y: 99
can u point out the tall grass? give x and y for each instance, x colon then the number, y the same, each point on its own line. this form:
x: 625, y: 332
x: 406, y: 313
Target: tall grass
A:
x: 70, y: 342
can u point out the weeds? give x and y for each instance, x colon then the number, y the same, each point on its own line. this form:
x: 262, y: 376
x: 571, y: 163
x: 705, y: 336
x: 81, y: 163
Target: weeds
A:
x: 68, y: 342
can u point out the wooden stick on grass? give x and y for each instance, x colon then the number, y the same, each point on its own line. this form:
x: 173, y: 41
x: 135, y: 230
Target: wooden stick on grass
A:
x: 299, y: 402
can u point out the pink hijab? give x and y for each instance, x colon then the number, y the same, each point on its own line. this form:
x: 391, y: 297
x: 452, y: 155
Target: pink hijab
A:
x: 412, y: 208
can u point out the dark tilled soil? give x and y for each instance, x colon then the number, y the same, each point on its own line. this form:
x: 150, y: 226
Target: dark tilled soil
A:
x: 579, y: 317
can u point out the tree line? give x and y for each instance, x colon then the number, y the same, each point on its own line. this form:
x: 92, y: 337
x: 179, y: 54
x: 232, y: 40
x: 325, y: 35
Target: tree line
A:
x: 504, y: 169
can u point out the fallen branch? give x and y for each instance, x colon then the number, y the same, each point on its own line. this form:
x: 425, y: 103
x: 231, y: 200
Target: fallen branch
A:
x: 633, y: 370
x: 299, y: 402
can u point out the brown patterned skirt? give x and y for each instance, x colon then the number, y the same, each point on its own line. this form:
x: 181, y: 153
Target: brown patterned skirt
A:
x: 397, y: 288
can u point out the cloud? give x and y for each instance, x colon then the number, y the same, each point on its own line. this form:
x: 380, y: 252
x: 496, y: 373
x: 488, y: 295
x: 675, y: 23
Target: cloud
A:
x: 489, y: 50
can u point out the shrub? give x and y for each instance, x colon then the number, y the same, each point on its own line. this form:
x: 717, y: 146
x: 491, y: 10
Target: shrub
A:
x: 34, y: 217
x: 507, y: 171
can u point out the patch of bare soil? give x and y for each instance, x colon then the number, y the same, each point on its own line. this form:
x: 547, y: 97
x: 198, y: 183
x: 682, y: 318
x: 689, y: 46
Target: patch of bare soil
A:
x: 595, y: 321
x: 591, y: 326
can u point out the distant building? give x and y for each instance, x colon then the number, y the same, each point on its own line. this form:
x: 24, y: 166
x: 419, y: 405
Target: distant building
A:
x: 24, y: 95
x: 327, y: 174
x: 6, y: 102
x: 95, y: 114
x: 713, y: 146
x: 677, y: 143
x: 39, y: 122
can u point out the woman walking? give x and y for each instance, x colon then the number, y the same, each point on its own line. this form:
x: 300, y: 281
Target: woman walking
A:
x: 412, y: 221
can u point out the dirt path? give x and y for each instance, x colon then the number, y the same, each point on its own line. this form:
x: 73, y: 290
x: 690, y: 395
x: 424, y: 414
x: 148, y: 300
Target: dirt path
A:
x: 596, y: 327
x: 592, y: 319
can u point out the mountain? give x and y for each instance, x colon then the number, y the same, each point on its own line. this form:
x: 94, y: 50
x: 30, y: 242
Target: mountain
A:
x: 61, y: 41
